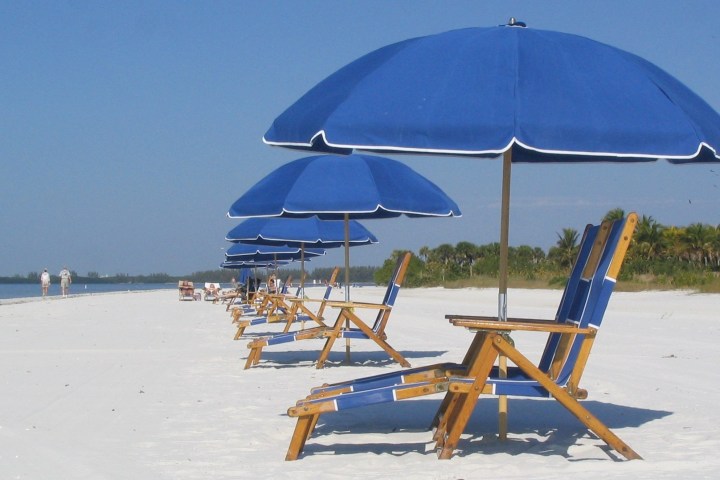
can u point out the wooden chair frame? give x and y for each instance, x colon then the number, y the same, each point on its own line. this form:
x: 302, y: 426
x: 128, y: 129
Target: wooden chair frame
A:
x: 339, y: 328
x: 570, y: 344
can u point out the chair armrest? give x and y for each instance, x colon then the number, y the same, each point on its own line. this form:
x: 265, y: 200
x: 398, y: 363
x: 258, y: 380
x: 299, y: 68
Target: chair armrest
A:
x: 488, y: 318
x: 528, y: 325
x: 303, y: 300
x: 337, y: 304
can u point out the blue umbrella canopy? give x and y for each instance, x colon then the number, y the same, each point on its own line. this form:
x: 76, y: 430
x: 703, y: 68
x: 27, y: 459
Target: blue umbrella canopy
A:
x: 337, y: 187
x: 307, y: 232
x: 248, y: 264
x: 333, y: 187
x: 268, y: 253
x: 544, y: 95
x: 300, y: 232
x: 529, y: 95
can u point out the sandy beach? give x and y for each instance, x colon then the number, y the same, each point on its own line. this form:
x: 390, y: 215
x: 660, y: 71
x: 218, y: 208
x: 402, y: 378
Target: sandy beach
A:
x: 140, y: 385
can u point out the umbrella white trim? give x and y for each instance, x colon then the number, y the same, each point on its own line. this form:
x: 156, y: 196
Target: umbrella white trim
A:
x: 340, y: 213
x: 489, y: 152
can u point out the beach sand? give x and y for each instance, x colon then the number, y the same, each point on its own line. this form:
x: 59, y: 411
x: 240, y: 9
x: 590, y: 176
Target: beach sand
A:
x: 140, y: 385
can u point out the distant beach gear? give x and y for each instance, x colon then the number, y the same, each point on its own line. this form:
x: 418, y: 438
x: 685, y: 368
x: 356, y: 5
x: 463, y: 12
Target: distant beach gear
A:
x: 300, y: 232
x: 344, y: 188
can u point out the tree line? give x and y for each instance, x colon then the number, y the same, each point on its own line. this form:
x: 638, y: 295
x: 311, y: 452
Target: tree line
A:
x: 361, y: 274
x: 659, y: 255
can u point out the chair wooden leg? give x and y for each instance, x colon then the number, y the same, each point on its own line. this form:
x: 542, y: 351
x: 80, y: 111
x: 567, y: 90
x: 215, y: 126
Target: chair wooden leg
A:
x: 455, y: 419
x: 253, y: 356
x: 331, y: 336
x: 303, y: 429
x: 561, y: 395
x: 326, y: 350
x: 240, y: 331
x: 440, y: 420
x: 394, y: 354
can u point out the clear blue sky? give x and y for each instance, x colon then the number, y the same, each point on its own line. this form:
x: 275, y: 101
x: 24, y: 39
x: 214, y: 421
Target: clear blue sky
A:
x: 128, y: 128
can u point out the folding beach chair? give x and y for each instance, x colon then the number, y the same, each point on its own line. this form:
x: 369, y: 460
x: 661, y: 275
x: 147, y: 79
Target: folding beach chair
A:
x: 211, y: 292
x: 261, y: 303
x: 557, y: 374
x: 589, y: 240
x: 186, y: 290
x: 348, y: 313
x: 297, y: 311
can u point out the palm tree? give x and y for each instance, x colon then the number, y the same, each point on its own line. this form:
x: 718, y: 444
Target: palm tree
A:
x: 466, y: 253
x: 699, y: 240
x: 674, y: 244
x: 614, y: 214
x: 565, y: 249
x: 649, y: 239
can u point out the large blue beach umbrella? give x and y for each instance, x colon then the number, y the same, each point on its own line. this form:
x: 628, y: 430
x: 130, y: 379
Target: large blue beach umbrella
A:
x: 300, y: 232
x: 344, y: 188
x: 525, y: 94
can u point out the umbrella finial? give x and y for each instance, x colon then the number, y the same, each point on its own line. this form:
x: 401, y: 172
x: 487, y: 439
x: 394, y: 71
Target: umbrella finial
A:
x: 514, y: 23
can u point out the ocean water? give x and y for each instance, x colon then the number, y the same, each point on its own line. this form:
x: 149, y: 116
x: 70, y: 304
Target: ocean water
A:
x: 26, y: 290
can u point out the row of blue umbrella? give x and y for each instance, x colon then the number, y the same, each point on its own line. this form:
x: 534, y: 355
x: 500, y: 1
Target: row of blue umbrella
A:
x: 316, y: 202
x: 509, y: 91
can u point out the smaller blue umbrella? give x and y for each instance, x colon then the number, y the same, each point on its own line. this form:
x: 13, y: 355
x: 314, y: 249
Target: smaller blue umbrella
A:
x: 300, y: 232
x: 337, y: 187
x: 248, y: 264
x: 268, y: 253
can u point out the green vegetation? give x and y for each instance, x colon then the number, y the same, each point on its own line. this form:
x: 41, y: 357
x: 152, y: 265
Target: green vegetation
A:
x: 660, y: 257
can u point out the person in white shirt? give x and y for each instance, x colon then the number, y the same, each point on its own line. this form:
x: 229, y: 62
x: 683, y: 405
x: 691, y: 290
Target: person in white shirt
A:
x: 65, y: 281
x: 45, y: 282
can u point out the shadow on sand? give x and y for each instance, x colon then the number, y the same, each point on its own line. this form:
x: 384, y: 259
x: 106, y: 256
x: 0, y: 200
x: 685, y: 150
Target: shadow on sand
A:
x: 536, y: 426
x: 305, y: 358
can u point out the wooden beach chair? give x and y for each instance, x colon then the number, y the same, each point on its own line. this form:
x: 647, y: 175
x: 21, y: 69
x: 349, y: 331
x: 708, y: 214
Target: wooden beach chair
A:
x: 211, y: 292
x: 261, y: 303
x: 296, y: 311
x: 589, y: 240
x: 348, y: 313
x: 266, y: 309
x: 557, y: 374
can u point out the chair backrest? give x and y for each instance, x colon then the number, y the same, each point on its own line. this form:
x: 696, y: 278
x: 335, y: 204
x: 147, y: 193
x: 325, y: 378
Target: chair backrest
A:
x: 328, y: 291
x: 286, y: 285
x: 393, y: 288
x: 589, y: 308
x: 331, y: 283
x: 588, y: 241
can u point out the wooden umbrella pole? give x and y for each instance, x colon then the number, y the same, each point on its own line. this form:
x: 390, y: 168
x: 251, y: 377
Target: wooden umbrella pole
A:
x: 347, y: 281
x: 302, y: 269
x: 502, y: 294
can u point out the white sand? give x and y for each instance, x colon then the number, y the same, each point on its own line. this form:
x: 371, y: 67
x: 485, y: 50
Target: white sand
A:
x: 140, y: 385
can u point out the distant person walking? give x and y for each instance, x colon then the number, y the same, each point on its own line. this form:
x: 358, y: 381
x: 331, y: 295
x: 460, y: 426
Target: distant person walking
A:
x: 45, y: 282
x: 65, y: 281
